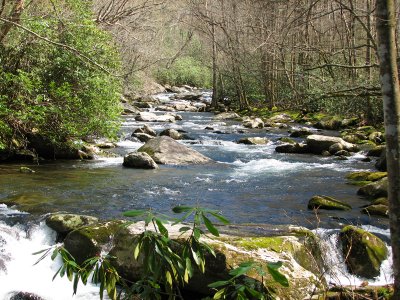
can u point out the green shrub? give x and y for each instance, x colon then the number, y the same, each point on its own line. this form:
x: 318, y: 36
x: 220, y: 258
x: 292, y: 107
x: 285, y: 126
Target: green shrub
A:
x: 185, y: 70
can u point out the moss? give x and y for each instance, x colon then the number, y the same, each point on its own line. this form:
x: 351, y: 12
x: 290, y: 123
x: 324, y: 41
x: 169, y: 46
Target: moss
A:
x: 382, y: 200
x: 325, y: 202
x: 26, y: 170
x: 359, y: 183
x: 272, y: 243
x: 364, y: 251
x: 366, y: 176
x: 287, y: 140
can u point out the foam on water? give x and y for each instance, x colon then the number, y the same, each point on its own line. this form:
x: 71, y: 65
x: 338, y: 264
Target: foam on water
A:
x: 22, y: 275
x: 338, y: 274
x: 271, y: 165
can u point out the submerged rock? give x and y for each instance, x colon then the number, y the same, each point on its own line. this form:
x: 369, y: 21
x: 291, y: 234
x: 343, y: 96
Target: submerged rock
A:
x: 24, y: 296
x: 325, y: 202
x: 165, y: 150
x: 140, y: 160
x: 364, y: 252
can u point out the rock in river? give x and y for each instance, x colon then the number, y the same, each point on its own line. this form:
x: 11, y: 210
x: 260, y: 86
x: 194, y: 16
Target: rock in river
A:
x: 319, y: 143
x: 64, y: 223
x: 325, y: 202
x: 364, y: 251
x: 165, y: 150
x: 140, y: 160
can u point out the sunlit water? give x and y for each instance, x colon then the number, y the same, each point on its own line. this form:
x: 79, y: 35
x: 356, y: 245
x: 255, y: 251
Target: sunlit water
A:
x: 247, y: 184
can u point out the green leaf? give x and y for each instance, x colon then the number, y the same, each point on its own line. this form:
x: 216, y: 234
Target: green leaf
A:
x: 210, y: 226
x: 218, y: 284
x: 161, y: 227
x: 219, y: 217
x: 219, y: 294
x: 181, y: 209
x: 134, y: 213
x: 185, y: 228
x: 242, y: 269
x: 275, y: 265
x: 278, y: 276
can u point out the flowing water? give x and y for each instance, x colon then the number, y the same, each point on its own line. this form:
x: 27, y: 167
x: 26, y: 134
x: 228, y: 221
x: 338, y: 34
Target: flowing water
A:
x: 248, y: 184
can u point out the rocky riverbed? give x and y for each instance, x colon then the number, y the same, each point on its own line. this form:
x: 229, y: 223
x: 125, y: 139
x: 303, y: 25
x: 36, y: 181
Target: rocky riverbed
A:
x: 248, y: 169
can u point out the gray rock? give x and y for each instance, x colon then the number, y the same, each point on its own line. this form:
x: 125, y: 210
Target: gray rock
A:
x: 165, y: 150
x: 253, y: 123
x: 152, y: 117
x: 146, y: 129
x: 172, y: 133
x: 64, y: 223
x: 335, y: 148
x: 226, y: 116
x: 143, y: 137
x: 253, y: 141
x: 376, y: 151
x: 376, y: 210
x: 318, y: 143
x: 302, y: 132
x: 292, y: 148
x: 140, y: 160
x: 130, y: 109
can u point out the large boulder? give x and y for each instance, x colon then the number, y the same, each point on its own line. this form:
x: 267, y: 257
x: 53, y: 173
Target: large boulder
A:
x: 165, y: 150
x: 65, y: 223
x: 300, y: 263
x: 329, y: 203
x: 130, y: 109
x: 375, y: 189
x: 139, y: 160
x: 89, y: 241
x: 364, y: 252
x: 292, y: 148
x: 152, y: 117
x: 319, y: 143
x: 253, y: 141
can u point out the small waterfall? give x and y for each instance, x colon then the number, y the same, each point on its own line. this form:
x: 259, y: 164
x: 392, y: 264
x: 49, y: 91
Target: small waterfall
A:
x: 338, y: 274
x: 18, y: 272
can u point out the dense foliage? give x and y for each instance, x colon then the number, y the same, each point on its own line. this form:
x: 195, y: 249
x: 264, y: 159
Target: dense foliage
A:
x: 185, y: 70
x: 55, y: 91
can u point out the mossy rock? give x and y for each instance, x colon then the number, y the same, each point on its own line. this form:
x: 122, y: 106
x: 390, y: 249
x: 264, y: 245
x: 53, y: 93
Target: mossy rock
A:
x: 367, y: 130
x: 381, y: 200
x: 89, y: 241
x: 375, y: 189
x: 359, y: 183
x: 376, y: 210
x: 287, y: 140
x: 364, y: 252
x: 329, y: 203
x: 376, y: 151
x: 64, y: 223
x: 366, y: 176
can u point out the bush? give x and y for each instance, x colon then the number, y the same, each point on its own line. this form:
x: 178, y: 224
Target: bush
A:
x: 54, y: 92
x: 186, y: 70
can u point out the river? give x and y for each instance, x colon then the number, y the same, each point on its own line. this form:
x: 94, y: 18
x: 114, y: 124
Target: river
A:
x: 249, y: 184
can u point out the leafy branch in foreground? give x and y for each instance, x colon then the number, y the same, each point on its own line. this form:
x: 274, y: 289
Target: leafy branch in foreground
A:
x: 168, y: 264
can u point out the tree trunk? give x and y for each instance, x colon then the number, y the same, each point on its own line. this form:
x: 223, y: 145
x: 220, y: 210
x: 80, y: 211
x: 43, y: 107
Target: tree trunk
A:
x: 15, y: 16
x: 386, y: 23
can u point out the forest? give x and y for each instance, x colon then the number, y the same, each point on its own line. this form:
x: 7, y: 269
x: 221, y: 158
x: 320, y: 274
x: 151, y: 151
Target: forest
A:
x: 78, y: 76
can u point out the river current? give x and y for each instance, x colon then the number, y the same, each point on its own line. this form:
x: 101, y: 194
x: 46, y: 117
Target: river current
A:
x: 248, y: 184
